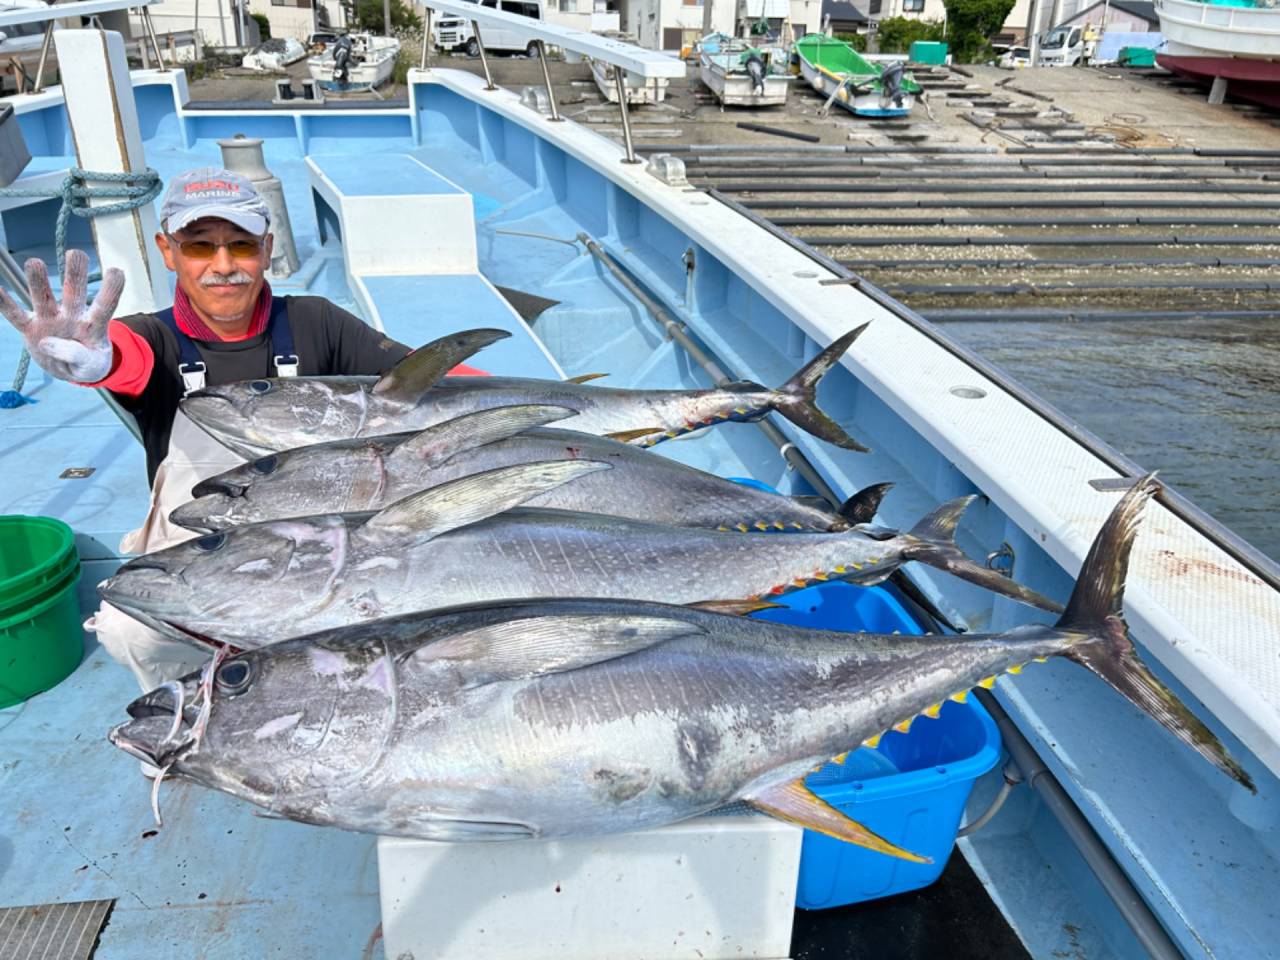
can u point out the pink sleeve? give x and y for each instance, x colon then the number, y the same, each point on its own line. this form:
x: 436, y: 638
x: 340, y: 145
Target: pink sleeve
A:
x: 462, y: 370
x: 132, y: 362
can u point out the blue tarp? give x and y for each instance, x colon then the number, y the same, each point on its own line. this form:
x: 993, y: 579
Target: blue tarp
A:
x: 1111, y: 44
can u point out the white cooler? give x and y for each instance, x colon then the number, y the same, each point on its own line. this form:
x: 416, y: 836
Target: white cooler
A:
x: 712, y: 888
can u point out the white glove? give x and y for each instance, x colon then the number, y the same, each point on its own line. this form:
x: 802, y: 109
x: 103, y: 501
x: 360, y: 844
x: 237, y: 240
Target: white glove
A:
x: 68, y: 340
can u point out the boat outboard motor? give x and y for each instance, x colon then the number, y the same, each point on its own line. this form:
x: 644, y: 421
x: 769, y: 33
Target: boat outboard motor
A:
x: 342, y: 49
x: 891, y: 83
x: 755, y: 69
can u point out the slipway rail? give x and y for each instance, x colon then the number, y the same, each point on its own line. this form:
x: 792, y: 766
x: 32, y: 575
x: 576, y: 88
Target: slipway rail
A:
x: 623, y: 58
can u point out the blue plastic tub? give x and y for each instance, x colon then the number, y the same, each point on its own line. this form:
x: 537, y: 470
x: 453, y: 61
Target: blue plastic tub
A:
x: 911, y: 790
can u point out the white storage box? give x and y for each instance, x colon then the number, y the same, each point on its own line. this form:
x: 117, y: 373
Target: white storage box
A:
x: 713, y: 888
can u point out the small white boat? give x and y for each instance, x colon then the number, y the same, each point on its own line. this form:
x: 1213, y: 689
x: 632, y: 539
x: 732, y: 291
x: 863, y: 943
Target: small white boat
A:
x: 639, y: 90
x: 741, y: 75
x: 365, y: 59
x: 274, y: 54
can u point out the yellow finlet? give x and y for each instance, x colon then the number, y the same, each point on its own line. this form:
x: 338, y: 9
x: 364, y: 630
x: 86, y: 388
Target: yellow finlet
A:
x: 841, y: 569
x: 1015, y: 669
x: 932, y: 711
x: 872, y: 742
x: 987, y: 683
x: 840, y: 758
x: 960, y: 697
x: 760, y: 525
x: 904, y: 726
x: 743, y: 527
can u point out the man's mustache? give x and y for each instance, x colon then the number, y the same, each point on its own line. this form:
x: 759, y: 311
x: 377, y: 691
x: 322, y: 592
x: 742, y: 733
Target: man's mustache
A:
x: 225, y: 279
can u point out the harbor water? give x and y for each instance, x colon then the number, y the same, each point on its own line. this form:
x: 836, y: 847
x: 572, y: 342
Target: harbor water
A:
x: 1197, y: 400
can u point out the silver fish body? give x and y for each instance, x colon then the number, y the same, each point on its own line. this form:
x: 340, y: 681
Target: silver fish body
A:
x: 368, y: 474
x: 259, y: 417
x: 557, y: 718
x: 549, y: 718
x: 448, y: 545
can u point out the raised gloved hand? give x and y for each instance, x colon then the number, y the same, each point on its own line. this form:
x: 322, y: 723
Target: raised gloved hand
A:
x: 68, y: 340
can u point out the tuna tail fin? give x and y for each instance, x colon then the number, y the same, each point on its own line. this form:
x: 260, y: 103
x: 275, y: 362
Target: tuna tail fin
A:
x: 932, y: 541
x: 1106, y: 650
x: 797, y: 398
x: 862, y: 506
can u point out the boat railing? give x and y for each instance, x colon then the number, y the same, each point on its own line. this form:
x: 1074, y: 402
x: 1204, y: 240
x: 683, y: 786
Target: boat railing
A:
x: 1223, y: 17
x: 92, y: 9
x: 622, y: 57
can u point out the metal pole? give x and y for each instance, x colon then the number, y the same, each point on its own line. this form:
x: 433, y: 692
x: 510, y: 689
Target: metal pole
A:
x: 386, y: 17
x: 546, y: 78
x: 426, y: 41
x: 620, y: 84
x: 1146, y: 926
x: 484, y: 61
x: 222, y: 24
x: 150, y: 30
x: 44, y: 57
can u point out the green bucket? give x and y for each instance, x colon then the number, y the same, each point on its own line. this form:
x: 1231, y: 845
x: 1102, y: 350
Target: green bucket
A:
x: 41, y: 640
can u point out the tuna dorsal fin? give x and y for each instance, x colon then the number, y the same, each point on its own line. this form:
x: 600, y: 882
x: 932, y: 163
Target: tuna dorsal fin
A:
x: 421, y: 516
x: 734, y: 608
x: 862, y: 506
x: 533, y: 646
x: 585, y: 377
x: 626, y: 436
x: 422, y: 369
x: 796, y: 803
x: 438, y: 443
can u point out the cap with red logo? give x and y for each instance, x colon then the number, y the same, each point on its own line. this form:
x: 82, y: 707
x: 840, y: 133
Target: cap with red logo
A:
x: 210, y: 192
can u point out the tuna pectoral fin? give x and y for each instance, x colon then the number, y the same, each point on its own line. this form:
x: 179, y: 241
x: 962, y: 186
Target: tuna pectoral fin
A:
x: 1104, y: 648
x: 862, y: 506
x: 796, y: 803
x: 421, y: 516
x: 539, y: 644
x: 437, y: 444
x: 797, y: 398
x: 423, y: 369
x: 628, y: 436
x: 735, y: 608
x: 932, y: 541
x: 585, y: 377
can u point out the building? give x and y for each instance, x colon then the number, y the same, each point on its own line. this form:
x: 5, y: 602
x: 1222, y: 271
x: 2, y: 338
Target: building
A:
x: 843, y: 17
x: 1120, y: 16
x: 786, y: 19
x: 911, y: 9
x: 674, y: 24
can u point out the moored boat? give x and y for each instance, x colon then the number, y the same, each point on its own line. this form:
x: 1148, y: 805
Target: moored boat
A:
x: 639, y: 90
x: 365, y: 61
x: 867, y: 89
x: 1237, y: 41
x: 739, y: 74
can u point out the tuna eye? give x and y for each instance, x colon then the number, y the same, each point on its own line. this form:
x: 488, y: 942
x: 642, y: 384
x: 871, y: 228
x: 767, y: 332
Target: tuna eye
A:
x: 233, y: 677
x: 212, y: 542
x: 260, y: 386
x: 265, y: 466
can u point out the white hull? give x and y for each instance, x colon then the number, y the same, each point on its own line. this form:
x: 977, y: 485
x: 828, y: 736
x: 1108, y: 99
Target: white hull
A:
x: 735, y: 89
x: 1193, y: 29
x: 378, y: 60
x: 638, y: 91
x: 866, y: 104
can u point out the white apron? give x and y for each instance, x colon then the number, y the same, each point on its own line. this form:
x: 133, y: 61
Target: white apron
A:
x: 154, y: 659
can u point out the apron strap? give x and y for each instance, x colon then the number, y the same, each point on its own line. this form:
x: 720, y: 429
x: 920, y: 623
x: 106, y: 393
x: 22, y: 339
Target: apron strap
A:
x: 281, y: 334
x: 192, y: 368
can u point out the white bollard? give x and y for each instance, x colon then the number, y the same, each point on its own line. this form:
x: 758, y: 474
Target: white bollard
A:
x: 104, y: 126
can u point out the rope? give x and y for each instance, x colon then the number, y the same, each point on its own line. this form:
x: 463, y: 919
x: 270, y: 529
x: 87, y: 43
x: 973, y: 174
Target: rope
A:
x: 133, y: 190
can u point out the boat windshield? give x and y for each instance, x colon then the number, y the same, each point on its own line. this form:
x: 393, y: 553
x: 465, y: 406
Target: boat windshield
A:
x: 1055, y: 39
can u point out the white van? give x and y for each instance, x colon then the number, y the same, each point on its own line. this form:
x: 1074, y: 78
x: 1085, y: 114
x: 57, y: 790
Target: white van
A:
x: 452, y: 33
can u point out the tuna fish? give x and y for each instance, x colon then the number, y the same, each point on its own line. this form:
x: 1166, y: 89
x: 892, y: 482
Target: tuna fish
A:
x: 343, y: 476
x: 553, y: 718
x: 462, y: 542
x: 258, y: 417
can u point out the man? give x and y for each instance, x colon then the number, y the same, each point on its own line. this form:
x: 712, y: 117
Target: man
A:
x: 224, y: 326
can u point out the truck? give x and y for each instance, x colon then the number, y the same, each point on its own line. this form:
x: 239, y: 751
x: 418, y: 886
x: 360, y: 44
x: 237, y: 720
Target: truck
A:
x: 454, y: 33
x: 1068, y: 46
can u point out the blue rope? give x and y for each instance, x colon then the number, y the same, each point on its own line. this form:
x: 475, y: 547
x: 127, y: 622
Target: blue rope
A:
x: 133, y: 190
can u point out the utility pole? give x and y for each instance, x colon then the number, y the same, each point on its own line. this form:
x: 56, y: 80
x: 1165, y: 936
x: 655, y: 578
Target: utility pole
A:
x: 1033, y: 33
x: 386, y: 17
x: 707, y: 7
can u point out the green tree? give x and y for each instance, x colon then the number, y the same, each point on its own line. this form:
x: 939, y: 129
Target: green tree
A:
x: 368, y: 16
x: 264, y: 25
x: 855, y: 40
x: 971, y: 24
x: 896, y: 34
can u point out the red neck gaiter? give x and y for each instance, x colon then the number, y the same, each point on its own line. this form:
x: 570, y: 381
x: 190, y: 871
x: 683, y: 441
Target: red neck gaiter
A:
x: 189, y: 321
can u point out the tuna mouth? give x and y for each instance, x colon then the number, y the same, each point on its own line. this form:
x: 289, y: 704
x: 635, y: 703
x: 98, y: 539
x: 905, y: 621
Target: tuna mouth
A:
x: 199, y: 515
x: 218, y: 485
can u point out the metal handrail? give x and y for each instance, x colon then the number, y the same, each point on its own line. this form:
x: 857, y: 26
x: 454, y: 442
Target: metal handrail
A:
x: 1239, y: 549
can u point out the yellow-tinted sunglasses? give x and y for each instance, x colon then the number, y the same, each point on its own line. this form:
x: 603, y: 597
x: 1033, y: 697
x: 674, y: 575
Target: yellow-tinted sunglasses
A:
x: 208, y: 249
